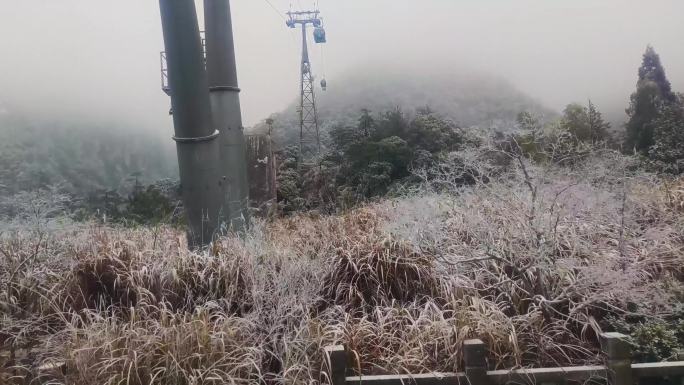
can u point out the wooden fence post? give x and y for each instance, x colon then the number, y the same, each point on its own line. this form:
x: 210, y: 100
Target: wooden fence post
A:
x: 475, y: 357
x: 337, y: 360
x: 619, y: 353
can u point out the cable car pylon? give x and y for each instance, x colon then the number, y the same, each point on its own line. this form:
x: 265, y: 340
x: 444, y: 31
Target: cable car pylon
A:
x: 309, y: 136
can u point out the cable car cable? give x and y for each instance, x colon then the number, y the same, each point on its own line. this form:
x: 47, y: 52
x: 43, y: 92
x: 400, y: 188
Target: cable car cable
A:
x: 275, y: 9
x: 324, y: 83
x: 322, y: 62
x: 294, y: 39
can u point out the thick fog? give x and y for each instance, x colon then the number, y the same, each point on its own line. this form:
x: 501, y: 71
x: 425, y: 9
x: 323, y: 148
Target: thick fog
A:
x: 98, y: 60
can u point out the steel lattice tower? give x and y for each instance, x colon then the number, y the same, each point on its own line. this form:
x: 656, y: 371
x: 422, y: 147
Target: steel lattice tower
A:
x: 309, y: 136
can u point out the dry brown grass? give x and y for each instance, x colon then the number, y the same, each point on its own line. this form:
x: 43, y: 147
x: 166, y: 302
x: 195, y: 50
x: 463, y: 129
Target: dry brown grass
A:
x: 674, y: 194
x: 401, y: 283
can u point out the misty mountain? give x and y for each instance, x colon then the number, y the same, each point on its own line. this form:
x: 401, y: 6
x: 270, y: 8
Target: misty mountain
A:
x: 82, y: 157
x: 467, y: 99
x: 78, y: 157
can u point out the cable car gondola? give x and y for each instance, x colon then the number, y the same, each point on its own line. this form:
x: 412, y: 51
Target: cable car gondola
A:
x: 319, y: 35
x: 324, y: 85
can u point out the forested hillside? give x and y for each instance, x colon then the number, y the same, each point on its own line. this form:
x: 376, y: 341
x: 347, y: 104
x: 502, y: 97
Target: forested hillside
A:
x: 78, y: 157
x: 104, y: 169
x: 81, y: 158
x: 468, y: 99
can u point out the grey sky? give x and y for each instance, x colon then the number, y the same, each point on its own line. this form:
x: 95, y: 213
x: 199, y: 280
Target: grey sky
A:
x: 98, y: 59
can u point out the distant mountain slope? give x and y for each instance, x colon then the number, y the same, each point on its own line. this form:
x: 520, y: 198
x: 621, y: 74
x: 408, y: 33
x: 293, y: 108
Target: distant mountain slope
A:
x: 78, y: 157
x: 469, y: 99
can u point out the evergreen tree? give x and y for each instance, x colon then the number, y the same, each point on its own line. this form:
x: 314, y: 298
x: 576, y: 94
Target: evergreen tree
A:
x: 530, y: 124
x: 344, y: 136
x: 529, y: 140
x: 433, y: 134
x: 653, y: 93
x: 426, y: 110
x: 598, y: 127
x: 366, y: 122
x: 393, y: 123
x: 652, y: 70
x: 148, y: 205
x: 576, y: 122
x: 668, y: 150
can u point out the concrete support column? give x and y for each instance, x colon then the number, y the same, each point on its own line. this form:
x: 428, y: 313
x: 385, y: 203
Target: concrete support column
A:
x: 196, y: 138
x: 225, y: 104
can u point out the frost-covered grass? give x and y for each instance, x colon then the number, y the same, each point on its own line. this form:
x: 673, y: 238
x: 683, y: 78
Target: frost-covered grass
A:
x: 532, y: 262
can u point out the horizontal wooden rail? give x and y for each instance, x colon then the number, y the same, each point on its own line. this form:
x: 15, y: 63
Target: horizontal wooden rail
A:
x: 619, y: 370
x: 546, y: 375
x: 418, y: 379
x: 659, y: 369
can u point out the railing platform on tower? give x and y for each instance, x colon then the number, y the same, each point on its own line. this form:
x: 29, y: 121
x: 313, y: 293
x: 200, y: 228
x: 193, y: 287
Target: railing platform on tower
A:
x: 163, y: 64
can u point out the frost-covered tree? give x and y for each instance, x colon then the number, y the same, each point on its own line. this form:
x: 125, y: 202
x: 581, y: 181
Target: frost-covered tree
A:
x: 653, y: 93
x: 529, y: 123
x: 668, y: 149
x: 599, y: 128
x: 366, y: 122
x: 585, y: 124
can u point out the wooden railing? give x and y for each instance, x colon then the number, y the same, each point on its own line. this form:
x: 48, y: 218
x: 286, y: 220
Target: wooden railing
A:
x: 619, y: 370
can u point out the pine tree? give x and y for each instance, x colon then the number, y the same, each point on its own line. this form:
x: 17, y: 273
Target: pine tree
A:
x: 366, y: 122
x: 599, y: 129
x: 652, y: 70
x: 653, y: 93
x: 585, y: 124
x: 576, y: 122
x: 668, y: 149
x: 530, y: 124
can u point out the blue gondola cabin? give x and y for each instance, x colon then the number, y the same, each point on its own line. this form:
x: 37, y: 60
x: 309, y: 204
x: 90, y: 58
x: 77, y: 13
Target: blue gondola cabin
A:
x: 319, y: 35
